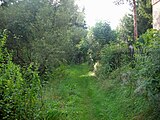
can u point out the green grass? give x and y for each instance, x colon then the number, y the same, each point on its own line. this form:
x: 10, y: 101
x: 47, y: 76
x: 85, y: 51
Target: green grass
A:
x: 79, y: 96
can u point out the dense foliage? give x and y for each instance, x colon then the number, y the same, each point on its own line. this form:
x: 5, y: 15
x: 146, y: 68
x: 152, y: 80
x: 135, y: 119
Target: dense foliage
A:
x: 144, y: 19
x: 42, y: 31
x: 141, y: 73
x: 42, y: 40
x: 148, y: 67
x: 20, y: 89
x: 102, y: 33
x: 113, y: 56
x: 98, y: 36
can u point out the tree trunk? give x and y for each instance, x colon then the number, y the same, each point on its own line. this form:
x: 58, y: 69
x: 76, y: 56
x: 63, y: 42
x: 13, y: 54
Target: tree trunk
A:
x: 135, y: 20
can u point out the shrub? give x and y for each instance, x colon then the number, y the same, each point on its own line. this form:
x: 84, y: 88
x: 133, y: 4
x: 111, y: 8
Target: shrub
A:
x: 113, y: 56
x: 148, y: 66
x: 20, y: 89
x: 144, y: 77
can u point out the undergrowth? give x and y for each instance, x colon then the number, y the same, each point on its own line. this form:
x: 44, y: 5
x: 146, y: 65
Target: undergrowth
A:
x: 140, y: 75
x: 123, y: 88
x: 20, y: 89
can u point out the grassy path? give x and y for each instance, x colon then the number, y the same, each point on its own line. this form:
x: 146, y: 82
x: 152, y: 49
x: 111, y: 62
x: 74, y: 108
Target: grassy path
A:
x: 77, y: 96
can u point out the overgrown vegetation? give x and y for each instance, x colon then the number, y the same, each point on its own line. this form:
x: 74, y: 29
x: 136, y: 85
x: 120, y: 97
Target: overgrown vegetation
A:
x: 21, y: 90
x: 53, y: 68
x: 79, y: 95
x: 44, y: 32
x: 141, y: 74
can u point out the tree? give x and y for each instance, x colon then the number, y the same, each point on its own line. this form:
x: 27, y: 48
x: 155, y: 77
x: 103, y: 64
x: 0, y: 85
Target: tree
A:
x: 144, y: 19
x: 43, y: 31
x: 144, y: 16
x: 133, y: 3
x: 125, y: 28
x: 102, y: 33
x: 20, y: 88
x: 98, y: 36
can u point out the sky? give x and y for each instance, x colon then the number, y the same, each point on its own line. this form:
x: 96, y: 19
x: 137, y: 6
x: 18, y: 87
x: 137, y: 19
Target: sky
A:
x: 105, y: 10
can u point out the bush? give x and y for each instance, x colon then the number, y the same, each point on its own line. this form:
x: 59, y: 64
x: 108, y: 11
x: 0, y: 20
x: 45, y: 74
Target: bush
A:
x: 148, y: 66
x: 144, y: 77
x: 113, y: 56
x: 20, y: 89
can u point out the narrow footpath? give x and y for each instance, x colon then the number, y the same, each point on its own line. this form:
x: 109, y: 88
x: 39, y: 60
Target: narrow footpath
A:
x: 76, y: 96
